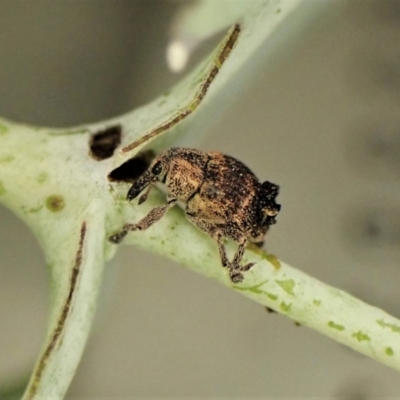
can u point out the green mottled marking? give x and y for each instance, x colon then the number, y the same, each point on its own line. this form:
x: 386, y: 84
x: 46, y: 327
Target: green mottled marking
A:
x: 392, y: 327
x: 360, y: 336
x: 285, y: 307
x: 2, y: 189
x: 254, y: 289
x: 272, y: 259
x: 389, y: 351
x: 265, y: 256
x: 42, y: 177
x: 32, y: 210
x: 278, y: 11
x: 3, y: 129
x: 317, y: 302
x: 55, y: 203
x: 6, y: 159
x: 68, y: 133
x: 287, y: 285
x: 338, y: 327
x: 272, y: 296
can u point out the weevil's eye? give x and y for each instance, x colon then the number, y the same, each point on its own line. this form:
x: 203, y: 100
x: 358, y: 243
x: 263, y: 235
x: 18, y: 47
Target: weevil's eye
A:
x: 156, y: 170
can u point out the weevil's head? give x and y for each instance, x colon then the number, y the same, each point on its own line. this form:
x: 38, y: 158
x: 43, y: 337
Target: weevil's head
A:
x: 156, y: 172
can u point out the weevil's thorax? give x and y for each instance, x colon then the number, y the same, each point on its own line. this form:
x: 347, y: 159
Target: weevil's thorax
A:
x: 185, y: 170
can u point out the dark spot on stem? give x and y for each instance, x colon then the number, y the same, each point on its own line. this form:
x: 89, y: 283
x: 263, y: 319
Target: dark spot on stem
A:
x: 132, y: 169
x: 55, y: 203
x: 103, y: 144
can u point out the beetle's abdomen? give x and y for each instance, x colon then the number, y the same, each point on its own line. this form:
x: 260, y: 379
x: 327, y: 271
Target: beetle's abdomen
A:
x: 228, y: 191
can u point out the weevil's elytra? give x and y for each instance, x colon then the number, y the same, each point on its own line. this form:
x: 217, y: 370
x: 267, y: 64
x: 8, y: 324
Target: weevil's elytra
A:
x: 223, y: 198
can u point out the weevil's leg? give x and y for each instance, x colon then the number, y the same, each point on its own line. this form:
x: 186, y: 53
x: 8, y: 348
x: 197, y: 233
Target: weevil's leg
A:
x: 221, y: 248
x: 234, y: 274
x: 212, y: 230
x: 144, y: 196
x: 239, y: 254
x: 235, y: 266
x: 212, y: 71
x: 153, y: 216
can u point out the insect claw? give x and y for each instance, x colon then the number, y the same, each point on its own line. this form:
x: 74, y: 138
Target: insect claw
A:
x: 236, y: 277
x: 246, y: 267
x: 117, y: 238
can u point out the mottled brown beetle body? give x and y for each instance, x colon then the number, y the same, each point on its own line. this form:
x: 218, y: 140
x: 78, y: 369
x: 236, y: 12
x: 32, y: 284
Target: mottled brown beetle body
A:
x: 223, y: 198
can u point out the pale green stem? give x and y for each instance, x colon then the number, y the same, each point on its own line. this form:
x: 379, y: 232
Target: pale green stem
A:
x: 328, y: 310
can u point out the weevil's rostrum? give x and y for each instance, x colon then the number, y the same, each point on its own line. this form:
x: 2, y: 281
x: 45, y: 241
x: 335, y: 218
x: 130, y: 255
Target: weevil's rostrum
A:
x: 223, y: 198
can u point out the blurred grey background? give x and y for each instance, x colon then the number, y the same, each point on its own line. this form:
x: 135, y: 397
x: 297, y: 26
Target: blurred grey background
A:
x: 322, y: 121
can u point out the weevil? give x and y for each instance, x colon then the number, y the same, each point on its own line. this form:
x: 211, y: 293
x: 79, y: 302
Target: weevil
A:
x: 223, y: 198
